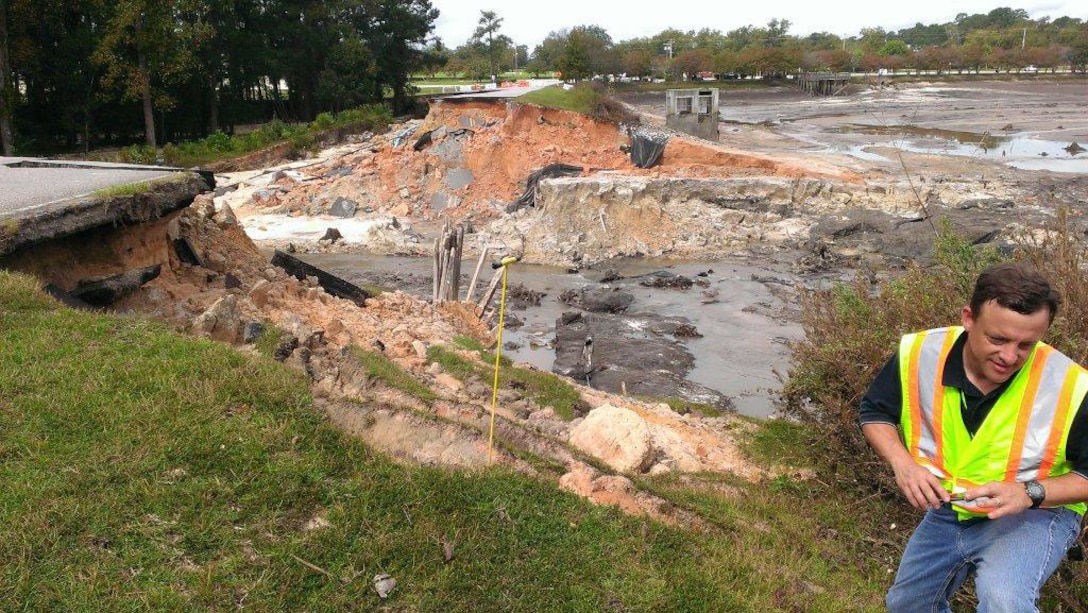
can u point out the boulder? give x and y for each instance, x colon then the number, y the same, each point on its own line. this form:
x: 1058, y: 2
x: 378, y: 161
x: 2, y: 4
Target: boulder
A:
x: 617, y: 436
x: 220, y: 321
x: 226, y: 217
x: 343, y: 207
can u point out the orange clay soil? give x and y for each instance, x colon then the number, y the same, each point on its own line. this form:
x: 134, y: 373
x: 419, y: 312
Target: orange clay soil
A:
x: 505, y: 142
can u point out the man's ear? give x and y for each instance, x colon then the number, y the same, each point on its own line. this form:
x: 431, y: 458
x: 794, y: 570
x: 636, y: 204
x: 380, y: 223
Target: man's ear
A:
x: 967, y: 317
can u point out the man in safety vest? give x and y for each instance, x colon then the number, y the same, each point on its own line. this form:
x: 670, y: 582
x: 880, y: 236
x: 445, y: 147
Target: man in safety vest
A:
x: 985, y: 426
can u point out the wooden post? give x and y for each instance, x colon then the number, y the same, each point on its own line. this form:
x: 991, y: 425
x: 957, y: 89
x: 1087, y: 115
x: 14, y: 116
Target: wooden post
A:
x: 447, y: 266
x: 441, y: 250
x: 490, y: 293
x: 437, y: 270
x: 458, y: 251
x: 476, y: 273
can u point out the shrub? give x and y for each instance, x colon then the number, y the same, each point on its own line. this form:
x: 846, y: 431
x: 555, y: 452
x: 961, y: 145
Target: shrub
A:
x: 594, y: 98
x: 138, y: 154
x: 300, y: 136
x: 218, y: 142
x: 365, y: 117
x: 851, y: 329
x: 323, y: 121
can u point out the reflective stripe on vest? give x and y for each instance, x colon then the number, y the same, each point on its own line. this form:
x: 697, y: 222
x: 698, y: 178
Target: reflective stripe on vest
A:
x: 1024, y: 435
x: 927, y: 358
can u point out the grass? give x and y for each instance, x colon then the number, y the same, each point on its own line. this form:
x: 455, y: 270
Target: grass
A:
x: 270, y: 340
x: 144, y: 471
x: 780, y: 441
x: 586, y: 98
x: 683, y: 407
x: 8, y: 229
x: 545, y: 389
x: 133, y: 189
x: 555, y: 97
x: 385, y: 370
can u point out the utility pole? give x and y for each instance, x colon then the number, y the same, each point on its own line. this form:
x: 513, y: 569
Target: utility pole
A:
x: 668, y: 57
x: 1024, y: 39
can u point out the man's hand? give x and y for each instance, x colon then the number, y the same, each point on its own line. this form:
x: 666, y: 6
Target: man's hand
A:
x: 1005, y: 498
x: 922, y: 488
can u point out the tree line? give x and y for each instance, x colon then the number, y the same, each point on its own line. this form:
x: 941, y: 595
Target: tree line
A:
x: 1004, y: 38
x: 83, y: 73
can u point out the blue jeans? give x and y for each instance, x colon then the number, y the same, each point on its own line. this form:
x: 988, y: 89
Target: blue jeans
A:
x: 1011, y: 557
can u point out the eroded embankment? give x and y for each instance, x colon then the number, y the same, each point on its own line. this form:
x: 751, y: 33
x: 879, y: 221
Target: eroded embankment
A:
x: 469, y: 160
x: 215, y: 283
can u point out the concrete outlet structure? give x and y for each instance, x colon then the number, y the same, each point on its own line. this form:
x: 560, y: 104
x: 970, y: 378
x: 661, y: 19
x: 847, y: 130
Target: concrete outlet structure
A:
x: 693, y: 111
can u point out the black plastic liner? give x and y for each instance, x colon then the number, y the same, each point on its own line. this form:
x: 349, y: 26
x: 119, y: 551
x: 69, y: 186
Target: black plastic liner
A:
x: 528, y: 198
x: 646, y: 149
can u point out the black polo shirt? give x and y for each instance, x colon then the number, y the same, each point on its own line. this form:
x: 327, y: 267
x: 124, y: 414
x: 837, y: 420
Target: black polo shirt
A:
x: 883, y: 403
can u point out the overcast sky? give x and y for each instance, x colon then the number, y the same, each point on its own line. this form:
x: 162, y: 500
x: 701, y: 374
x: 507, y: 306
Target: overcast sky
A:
x: 527, y: 23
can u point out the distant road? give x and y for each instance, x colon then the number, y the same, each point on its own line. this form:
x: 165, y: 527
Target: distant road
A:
x: 519, y: 88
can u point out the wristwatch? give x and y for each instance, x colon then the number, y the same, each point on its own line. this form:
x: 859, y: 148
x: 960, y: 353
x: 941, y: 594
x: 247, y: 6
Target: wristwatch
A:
x: 1036, y: 492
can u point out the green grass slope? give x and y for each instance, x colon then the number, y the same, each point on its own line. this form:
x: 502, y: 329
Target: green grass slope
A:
x: 144, y: 471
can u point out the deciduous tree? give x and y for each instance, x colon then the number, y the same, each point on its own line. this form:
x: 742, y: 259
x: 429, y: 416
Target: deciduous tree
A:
x: 144, y: 48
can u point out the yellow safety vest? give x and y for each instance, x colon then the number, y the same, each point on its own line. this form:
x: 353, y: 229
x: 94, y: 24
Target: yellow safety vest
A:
x: 1024, y: 435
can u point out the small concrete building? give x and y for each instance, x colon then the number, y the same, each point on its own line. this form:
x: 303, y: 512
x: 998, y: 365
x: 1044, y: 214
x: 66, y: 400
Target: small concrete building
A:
x: 693, y: 111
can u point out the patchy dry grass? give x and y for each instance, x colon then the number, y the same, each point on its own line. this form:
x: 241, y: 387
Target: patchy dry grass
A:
x: 389, y: 373
x: 544, y: 388
x: 589, y: 99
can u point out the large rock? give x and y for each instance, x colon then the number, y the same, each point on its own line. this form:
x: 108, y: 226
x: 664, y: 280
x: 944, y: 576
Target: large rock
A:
x: 605, y: 490
x: 617, y: 436
x: 220, y: 321
x: 344, y: 207
x: 599, y: 300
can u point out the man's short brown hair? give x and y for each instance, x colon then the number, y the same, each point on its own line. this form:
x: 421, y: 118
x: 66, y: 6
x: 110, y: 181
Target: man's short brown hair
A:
x: 1017, y: 286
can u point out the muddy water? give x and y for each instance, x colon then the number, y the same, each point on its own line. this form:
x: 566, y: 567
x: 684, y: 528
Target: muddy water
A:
x: 1025, y: 125
x: 1016, y: 150
x: 745, y: 326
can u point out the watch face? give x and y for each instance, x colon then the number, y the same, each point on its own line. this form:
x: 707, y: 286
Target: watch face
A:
x: 1036, y: 492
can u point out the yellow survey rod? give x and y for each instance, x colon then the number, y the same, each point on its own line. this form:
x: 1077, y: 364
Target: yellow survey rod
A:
x: 505, y: 264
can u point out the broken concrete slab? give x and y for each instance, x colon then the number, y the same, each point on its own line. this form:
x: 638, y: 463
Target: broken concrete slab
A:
x: 440, y: 201
x: 451, y: 149
x: 25, y: 221
x: 104, y: 291
x: 331, y: 283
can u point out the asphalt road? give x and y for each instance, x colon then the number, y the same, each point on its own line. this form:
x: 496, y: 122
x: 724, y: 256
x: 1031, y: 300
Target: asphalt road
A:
x: 52, y: 182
